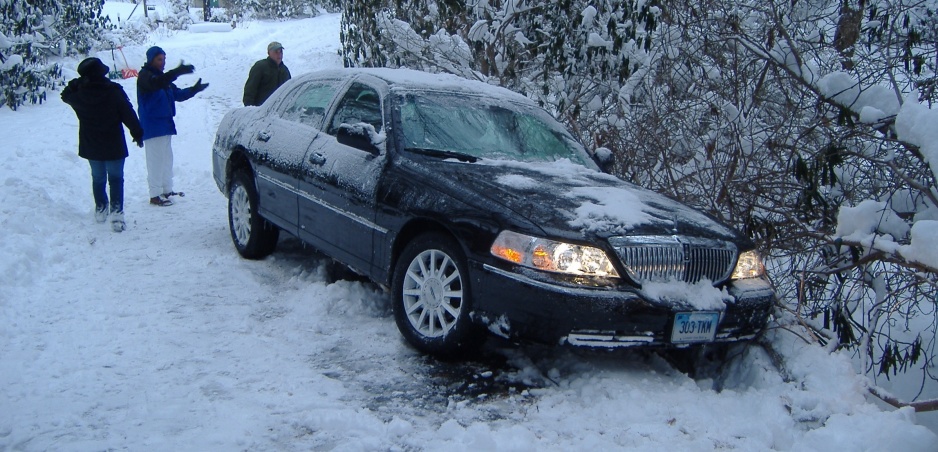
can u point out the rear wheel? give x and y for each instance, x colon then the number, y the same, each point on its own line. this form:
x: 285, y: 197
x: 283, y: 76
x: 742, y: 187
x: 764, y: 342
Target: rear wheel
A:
x: 253, y: 236
x: 431, y: 297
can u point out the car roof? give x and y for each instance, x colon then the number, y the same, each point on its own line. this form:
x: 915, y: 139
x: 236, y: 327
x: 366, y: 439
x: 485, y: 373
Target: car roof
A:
x: 412, y: 80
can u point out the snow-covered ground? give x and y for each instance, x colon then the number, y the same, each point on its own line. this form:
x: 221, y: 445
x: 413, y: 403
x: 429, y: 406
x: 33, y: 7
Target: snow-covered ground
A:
x: 163, y: 338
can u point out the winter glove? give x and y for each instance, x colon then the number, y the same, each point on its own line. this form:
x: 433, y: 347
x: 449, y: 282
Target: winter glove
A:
x: 139, y: 142
x: 182, y: 69
x: 73, y: 86
x: 199, y: 86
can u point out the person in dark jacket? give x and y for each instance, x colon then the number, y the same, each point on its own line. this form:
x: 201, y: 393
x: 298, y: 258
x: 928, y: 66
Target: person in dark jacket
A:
x: 266, y: 76
x: 156, y: 100
x: 102, y: 108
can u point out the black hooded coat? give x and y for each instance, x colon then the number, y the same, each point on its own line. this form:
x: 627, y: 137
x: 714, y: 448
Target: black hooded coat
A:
x: 102, y: 107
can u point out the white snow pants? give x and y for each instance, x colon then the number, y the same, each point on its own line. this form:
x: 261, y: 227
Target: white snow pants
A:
x: 159, y: 164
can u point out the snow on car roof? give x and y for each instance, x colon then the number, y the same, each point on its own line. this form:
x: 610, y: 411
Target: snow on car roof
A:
x: 419, y: 80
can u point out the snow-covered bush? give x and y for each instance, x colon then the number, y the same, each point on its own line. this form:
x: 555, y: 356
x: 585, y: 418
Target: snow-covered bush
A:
x: 241, y: 10
x: 131, y: 32
x: 30, y: 32
x: 178, y: 17
x: 796, y: 122
x: 577, y: 58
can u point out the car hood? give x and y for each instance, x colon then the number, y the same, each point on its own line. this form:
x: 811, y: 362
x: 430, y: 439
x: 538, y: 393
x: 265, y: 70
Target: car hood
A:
x: 571, y: 201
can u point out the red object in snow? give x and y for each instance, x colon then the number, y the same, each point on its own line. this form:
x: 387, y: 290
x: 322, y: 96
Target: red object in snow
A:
x: 127, y: 72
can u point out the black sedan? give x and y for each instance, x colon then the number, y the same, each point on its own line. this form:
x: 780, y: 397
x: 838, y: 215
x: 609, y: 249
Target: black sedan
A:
x: 480, y: 212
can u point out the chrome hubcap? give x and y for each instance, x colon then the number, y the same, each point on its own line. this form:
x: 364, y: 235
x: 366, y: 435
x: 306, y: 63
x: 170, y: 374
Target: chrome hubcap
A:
x: 240, y: 210
x: 433, y: 293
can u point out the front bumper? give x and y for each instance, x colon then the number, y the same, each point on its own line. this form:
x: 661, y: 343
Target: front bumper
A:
x: 517, y: 306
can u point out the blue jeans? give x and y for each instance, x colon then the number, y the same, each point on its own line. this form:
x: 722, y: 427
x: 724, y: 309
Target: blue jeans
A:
x: 108, y: 172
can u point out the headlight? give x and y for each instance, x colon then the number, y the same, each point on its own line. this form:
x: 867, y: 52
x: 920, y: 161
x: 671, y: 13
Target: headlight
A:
x: 551, y: 256
x: 749, y: 266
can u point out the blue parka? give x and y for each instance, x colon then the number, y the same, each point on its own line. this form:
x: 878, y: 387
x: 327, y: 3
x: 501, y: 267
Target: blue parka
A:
x: 156, y: 101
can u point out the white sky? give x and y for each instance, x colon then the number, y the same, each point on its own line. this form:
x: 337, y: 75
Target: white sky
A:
x: 162, y: 338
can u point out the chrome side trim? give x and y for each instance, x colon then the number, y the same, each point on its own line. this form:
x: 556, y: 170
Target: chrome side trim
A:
x: 276, y: 182
x: 356, y: 218
x: 311, y: 197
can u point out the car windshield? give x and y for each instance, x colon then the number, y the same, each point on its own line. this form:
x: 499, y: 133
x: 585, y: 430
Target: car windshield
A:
x: 483, y: 128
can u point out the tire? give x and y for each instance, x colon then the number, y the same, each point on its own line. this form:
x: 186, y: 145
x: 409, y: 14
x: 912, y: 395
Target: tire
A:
x: 432, y: 297
x: 253, y: 236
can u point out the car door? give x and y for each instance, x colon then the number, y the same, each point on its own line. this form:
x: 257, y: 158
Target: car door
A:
x: 283, y: 142
x: 277, y: 149
x: 341, y: 183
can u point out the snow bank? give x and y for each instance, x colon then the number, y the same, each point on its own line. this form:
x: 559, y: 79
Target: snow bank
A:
x: 210, y: 27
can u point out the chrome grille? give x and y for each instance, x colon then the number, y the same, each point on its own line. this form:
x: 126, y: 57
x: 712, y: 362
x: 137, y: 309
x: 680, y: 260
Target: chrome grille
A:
x: 662, y: 258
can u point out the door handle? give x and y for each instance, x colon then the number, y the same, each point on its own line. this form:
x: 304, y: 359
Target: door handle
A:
x: 317, y: 158
x: 263, y: 136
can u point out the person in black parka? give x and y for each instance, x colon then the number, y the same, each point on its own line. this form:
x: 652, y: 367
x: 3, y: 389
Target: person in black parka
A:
x: 102, y: 108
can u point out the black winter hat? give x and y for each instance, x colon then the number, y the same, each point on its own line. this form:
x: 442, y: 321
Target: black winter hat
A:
x: 92, y: 67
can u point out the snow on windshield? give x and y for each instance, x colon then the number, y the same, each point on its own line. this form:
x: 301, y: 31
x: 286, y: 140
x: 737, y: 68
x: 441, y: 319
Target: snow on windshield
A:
x: 485, y: 128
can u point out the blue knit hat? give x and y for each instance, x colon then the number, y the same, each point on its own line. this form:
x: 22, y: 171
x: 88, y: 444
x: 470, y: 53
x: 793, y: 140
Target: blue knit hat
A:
x: 152, y: 52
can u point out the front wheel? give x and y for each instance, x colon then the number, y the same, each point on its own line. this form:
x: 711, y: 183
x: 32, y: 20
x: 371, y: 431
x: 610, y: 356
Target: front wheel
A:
x: 253, y: 236
x: 432, y: 298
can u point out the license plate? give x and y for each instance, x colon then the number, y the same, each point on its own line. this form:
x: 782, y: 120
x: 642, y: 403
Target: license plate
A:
x: 694, y: 327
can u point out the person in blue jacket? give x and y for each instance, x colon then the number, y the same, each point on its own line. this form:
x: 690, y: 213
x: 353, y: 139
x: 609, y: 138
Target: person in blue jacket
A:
x: 156, y: 104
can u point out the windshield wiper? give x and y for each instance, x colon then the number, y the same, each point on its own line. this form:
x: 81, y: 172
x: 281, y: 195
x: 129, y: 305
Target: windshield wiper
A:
x: 461, y: 156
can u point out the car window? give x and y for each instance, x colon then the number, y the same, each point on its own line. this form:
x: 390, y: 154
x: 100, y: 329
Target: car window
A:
x: 310, y: 104
x: 485, y: 128
x: 536, y: 137
x: 360, y: 103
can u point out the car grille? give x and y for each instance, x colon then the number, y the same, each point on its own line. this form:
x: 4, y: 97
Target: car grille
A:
x: 662, y: 258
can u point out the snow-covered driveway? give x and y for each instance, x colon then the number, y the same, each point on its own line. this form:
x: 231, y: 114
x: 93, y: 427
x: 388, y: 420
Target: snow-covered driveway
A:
x: 163, y: 338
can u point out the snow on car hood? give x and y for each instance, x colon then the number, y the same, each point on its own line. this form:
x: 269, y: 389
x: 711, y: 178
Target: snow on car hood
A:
x: 564, y: 196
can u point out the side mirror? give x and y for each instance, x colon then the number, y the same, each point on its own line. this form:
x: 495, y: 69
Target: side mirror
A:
x: 357, y: 136
x: 605, y: 159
